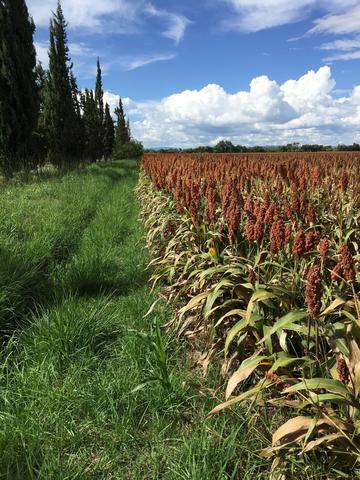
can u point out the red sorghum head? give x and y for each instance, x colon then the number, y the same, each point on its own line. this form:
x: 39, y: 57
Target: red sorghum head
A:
x: 347, y: 264
x: 299, y: 245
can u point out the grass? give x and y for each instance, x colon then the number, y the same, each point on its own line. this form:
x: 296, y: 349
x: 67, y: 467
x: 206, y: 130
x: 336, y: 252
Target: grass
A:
x: 76, y: 347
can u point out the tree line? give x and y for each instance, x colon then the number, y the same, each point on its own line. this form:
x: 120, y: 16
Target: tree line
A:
x: 226, y: 146
x: 44, y: 116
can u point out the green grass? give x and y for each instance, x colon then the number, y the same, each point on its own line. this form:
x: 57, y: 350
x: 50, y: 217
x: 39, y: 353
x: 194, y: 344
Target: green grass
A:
x: 76, y: 345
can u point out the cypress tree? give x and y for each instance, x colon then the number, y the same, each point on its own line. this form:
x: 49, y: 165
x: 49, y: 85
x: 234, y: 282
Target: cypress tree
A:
x: 99, y: 100
x: 121, y: 133
x: 19, y: 103
x: 78, y: 124
x: 109, y: 133
x: 60, y: 116
x: 39, y: 146
x: 91, y: 124
x: 128, y: 128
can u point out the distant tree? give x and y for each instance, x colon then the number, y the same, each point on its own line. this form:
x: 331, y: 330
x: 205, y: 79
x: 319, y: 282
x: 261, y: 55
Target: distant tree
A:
x: 39, y: 143
x: 19, y: 101
x: 99, y: 100
x: 121, y: 131
x: 90, y: 125
x: 109, y: 133
x: 132, y: 149
x: 224, y: 146
x: 60, y: 109
x: 79, y: 132
x: 128, y: 128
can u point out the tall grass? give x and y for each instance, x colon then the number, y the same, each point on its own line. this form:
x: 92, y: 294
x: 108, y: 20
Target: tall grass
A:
x: 41, y: 225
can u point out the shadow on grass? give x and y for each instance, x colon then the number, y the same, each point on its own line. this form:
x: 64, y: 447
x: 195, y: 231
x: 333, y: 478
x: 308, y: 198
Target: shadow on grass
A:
x: 28, y: 285
x: 104, y: 278
x: 48, y: 172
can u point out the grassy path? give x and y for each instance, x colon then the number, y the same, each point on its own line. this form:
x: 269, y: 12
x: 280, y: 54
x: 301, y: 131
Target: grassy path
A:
x: 76, y: 282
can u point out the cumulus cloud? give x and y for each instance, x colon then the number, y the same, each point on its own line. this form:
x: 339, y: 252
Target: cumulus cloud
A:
x: 305, y: 110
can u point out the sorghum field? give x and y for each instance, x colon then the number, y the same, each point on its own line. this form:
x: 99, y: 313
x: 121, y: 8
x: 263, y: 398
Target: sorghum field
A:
x: 260, y: 256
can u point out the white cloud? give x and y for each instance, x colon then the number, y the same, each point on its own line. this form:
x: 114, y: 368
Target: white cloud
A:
x: 80, y: 51
x: 344, y: 49
x: 310, y: 90
x: 176, y: 23
x: 343, y: 23
x: 256, y: 15
x: 42, y: 53
x: 128, y: 63
x: 110, y: 16
x: 305, y: 110
x: 344, y: 44
x: 343, y: 56
x: 86, y: 13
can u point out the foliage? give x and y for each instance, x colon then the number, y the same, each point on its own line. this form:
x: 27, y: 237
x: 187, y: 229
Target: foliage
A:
x: 19, y: 100
x: 60, y: 111
x: 99, y: 100
x: 109, y: 133
x: 262, y: 253
x: 132, y: 149
x: 122, y: 133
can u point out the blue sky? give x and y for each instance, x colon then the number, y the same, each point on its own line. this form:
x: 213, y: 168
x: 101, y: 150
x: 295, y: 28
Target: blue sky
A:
x: 212, y: 69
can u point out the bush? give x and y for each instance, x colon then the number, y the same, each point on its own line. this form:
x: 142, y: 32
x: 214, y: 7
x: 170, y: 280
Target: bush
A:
x: 131, y: 149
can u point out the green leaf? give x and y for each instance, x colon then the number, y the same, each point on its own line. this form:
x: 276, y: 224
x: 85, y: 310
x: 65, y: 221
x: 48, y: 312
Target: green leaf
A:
x: 243, y: 372
x: 326, y: 397
x: 234, y: 331
x: 249, y: 393
x: 215, y: 294
x: 286, y: 361
x: 194, y: 302
x: 285, y: 321
x: 257, y: 296
x: 315, y: 383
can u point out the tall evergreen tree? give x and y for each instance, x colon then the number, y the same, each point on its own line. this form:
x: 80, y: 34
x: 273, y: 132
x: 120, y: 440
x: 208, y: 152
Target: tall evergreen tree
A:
x: 109, y: 133
x: 99, y: 100
x: 39, y: 145
x: 128, y: 128
x: 99, y: 92
x: 91, y: 125
x: 60, y: 114
x: 121, y: 133
x: 78, y: 124
x: 19, y: 103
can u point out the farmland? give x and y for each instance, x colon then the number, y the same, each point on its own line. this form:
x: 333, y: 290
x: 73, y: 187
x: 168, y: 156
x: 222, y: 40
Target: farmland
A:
x: 76, y: 345
x: 90, y: 387
x: 260, y: 255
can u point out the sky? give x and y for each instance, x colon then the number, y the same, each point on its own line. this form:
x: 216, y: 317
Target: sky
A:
x: 193, y: 72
